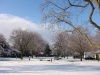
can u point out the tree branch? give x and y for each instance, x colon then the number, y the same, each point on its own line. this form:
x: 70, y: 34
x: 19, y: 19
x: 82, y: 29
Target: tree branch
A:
x: 92, y: 11
x: 56, y: 5
x: 78, y: 5
x: 81, y: 33
x: 91, y: 14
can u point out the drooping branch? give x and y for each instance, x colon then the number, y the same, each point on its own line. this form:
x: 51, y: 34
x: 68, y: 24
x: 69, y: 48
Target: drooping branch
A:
x: 81, y: 33
x: 60, y: 19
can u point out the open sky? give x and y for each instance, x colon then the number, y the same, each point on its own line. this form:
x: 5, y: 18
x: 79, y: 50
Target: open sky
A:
x: 29, y: 9
x: 25, y: 14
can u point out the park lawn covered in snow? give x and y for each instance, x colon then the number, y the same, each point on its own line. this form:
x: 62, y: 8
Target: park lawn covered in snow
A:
x: 56, y: 67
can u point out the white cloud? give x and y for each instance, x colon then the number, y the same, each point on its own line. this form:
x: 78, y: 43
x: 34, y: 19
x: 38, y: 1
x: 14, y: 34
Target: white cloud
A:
x: 10, y: 22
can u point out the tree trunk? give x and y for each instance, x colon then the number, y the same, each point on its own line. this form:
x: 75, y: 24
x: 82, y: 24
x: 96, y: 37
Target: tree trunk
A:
x: 67, y: 56
x: 21, y: 56
x: 81, y: 58
x: 32, y: 55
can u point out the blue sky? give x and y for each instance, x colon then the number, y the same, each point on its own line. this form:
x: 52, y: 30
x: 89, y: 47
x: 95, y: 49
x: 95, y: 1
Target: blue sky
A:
x: 29, y: 9
x: 26, y: 14
x: 23, y: 14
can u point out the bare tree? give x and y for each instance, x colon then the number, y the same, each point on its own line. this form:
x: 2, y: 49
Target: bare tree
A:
x: 62, y: 12
x: 61, y: 44
x: 20, y: 39
x: 36, y: 45
x: 26, y: 41
x: 79, y: 44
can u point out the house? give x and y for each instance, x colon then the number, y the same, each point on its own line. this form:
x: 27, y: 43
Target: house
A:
x: 89, y: 55
x: 92, y: 55
x: 6, y: 51
x: 97, y: 53
x: 10, y: 53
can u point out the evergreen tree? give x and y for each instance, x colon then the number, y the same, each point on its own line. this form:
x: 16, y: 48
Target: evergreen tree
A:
x: 47, y: 50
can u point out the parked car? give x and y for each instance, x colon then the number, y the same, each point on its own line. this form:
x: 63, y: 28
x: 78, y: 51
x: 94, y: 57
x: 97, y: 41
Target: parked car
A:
x: 89, y: 58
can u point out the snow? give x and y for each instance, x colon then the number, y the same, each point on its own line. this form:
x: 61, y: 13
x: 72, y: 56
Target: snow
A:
x: 13, y: 66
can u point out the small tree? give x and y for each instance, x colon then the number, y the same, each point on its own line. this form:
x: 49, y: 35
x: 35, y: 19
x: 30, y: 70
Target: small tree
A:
x: 47, y: 50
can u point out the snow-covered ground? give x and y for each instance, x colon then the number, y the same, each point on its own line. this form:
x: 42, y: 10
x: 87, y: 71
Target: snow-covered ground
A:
x: 15, y: 66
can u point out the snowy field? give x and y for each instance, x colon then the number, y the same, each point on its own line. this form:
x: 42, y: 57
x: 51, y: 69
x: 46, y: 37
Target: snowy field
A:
x: 56, y: 67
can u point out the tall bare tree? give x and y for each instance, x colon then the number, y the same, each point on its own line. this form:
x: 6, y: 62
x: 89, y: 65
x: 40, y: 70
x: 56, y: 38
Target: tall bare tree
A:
x: 36, y: 45
x: 62, y: 12
x: 79, y: 44
x: 26, y: 41
x: 61, y: 44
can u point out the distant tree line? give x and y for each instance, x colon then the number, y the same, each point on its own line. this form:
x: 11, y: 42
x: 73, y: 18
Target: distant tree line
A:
x: 72, y: 43
x: 28, y: 42
x: 65, y: 43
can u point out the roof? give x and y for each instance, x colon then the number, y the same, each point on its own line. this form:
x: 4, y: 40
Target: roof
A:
x: 16, y: 50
